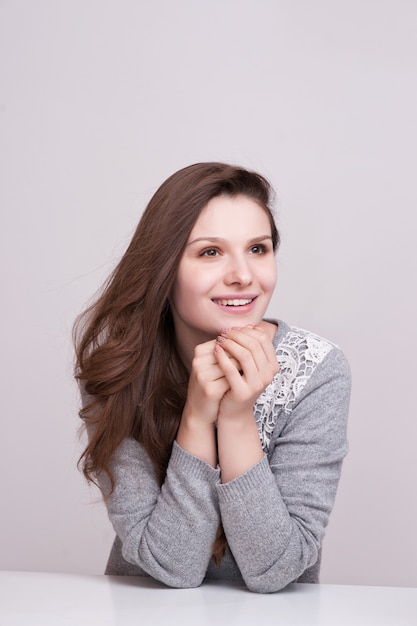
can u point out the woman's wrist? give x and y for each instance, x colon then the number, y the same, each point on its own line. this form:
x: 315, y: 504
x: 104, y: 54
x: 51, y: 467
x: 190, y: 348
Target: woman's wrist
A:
x: 239, y: 446
x: 198, y: 437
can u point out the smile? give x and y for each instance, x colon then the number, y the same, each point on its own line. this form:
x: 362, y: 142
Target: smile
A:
x: 234, y: 302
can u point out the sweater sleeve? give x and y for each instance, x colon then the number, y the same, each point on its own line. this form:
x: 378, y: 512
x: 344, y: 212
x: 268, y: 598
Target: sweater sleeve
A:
x: 275, y: 514
x: 168, y: 532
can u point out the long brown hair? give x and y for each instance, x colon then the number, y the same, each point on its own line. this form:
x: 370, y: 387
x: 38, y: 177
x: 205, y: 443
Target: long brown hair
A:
x: 126, y: 355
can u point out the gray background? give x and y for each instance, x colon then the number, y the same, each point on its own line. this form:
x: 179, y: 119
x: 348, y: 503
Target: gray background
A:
x: 99, y: 102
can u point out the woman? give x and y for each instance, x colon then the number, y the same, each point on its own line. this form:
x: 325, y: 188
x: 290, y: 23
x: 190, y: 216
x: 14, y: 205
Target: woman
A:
x: 215, y: 435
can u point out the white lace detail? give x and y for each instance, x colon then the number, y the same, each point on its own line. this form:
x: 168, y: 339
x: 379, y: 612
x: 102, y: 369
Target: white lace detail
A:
x: 299, y: 353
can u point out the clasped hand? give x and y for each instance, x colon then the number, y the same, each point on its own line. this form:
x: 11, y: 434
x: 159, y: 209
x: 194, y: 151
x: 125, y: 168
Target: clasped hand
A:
x: 229, y: 373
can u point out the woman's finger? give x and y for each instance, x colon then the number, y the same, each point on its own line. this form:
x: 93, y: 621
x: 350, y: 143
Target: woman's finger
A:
x: 253, y: 350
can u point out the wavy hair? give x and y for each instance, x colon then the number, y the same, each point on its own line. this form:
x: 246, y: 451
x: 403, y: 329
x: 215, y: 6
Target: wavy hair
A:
x: 127, y: 359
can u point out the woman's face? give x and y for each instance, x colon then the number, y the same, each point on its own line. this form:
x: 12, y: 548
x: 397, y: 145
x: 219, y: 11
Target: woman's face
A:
x: 227, y: 273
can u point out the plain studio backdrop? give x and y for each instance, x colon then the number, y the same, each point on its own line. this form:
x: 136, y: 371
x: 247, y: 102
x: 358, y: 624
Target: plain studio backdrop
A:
x: 99, y: 102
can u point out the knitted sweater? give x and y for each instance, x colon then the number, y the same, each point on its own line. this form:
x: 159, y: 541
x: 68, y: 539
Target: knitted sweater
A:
x: 274, y: 515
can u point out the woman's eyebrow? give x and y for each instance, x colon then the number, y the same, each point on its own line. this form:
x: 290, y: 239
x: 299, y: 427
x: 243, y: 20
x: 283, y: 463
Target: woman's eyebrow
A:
x: 222, y: 239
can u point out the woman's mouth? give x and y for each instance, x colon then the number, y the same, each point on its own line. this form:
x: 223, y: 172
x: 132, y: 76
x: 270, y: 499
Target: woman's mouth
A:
x: 233, y: 302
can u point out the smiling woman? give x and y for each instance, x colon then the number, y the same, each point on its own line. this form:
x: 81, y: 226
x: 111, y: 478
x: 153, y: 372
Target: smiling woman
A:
x: 226, y: 275
x: 215, y: 435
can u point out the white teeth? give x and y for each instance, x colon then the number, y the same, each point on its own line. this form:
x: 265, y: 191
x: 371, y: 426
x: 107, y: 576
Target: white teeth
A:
x: 235, y: 302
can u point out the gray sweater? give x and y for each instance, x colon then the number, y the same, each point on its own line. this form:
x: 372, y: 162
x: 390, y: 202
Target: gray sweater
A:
x: 274, y: 515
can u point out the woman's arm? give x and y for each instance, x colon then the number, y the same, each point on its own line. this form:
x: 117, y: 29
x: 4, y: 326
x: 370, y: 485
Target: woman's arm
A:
x: 168, y: 532
x: 206, y: 386
x: 274, y: 515
x: 248, y: 359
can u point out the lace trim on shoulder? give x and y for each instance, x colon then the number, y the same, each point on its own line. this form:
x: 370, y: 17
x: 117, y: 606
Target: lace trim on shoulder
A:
x: 298, y: 354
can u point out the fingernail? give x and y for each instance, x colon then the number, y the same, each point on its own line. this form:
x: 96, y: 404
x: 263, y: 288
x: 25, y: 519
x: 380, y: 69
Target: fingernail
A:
x: 224, y: 331
x: 220, y: 338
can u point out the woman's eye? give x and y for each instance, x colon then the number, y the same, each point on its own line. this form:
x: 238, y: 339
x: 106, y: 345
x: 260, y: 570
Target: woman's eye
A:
x: 258, y: 249
x: 209, y: 252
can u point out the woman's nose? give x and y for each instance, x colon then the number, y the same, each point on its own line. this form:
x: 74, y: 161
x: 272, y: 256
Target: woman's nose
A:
x: 238, y: 272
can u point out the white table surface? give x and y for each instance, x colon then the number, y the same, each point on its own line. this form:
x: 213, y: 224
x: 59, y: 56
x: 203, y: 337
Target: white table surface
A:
x: 29, y: 598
